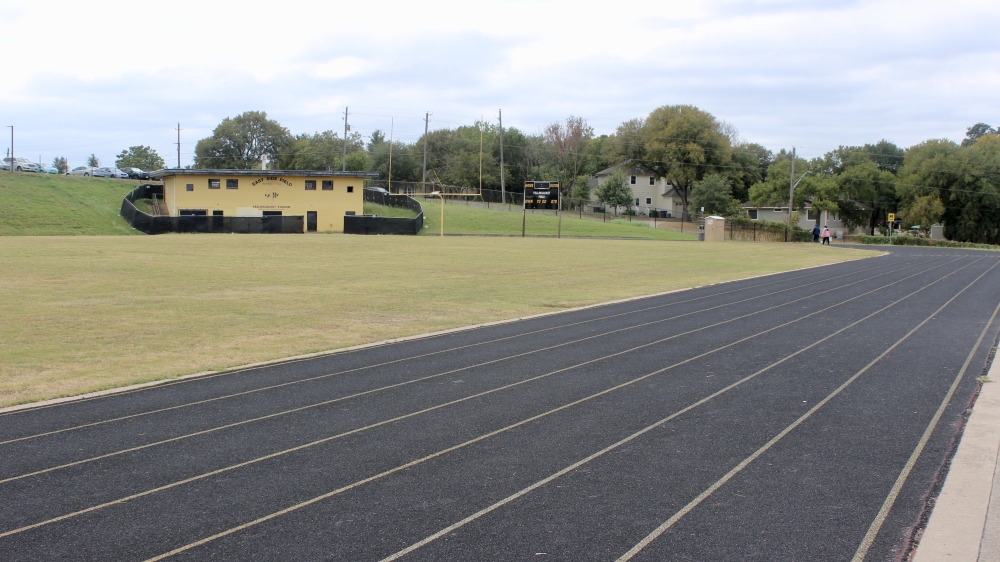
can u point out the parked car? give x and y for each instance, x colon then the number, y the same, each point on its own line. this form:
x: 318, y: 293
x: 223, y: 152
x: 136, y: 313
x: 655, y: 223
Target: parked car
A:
x: 47, y: 169
x: 106, y: 172
x: 83, y: 171
x: 136, y: 173
x: 21, y: 165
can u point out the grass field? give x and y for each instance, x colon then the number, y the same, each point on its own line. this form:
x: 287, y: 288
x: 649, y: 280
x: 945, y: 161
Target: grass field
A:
x: 85, y: 313
x: 475, y: 219
x: 43, y: 204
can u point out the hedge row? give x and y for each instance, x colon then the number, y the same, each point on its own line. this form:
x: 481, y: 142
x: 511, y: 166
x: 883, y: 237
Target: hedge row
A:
x: 914, y: 241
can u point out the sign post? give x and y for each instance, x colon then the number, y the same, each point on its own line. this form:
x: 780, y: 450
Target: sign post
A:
x: 891, y: 220
x: 542, y: 195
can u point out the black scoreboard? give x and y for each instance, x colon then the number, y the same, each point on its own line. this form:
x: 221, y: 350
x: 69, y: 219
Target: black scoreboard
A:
x: 541, y: 195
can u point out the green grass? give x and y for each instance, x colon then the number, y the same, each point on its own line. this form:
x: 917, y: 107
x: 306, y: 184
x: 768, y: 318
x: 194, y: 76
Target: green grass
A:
x: 83, y: 313
x: 386, y: 211
x: 475, y: 219
x: 43, y: 204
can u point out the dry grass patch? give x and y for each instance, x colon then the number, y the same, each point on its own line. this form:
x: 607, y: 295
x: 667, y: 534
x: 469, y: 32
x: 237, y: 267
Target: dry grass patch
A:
x: 88, y: 313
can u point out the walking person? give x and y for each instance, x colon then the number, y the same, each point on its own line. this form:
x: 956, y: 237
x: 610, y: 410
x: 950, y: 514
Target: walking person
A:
x: 816, y: 233
x: 826, y: 235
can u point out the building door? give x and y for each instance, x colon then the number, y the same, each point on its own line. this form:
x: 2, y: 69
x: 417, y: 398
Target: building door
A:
x: 217, y: 221
x: 310, y: 221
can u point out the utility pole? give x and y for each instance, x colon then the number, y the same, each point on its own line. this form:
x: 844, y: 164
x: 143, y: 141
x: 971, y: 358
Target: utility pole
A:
x: 503, y: 195
x: 11, y: 148
x: 791, y: 198
x: 392, y: 126
x: 178, y: 146
x: 344, y: 161
x: 480, y: 157
x: 423, y: 181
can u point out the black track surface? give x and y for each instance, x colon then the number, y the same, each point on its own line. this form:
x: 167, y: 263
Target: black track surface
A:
x: 356, y: 456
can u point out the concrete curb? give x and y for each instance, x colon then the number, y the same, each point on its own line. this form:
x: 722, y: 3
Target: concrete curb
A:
x: 964, y: 525
x: 306, y: 356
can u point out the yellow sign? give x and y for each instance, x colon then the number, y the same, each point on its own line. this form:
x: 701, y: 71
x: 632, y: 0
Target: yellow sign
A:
x: 892, y: 217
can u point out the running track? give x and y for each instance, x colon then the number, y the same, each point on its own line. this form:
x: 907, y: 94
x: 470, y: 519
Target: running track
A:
x: 801, y: 416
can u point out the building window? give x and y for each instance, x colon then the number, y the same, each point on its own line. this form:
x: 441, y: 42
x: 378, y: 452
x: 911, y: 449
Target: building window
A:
x: 214, y: 184
x: 193, y: 212
x: 271, y: 213
x: 232, y: 183
x: 632, y: 181
x: 190, y: 187
x: 652, y: 180
x: 310, y: 185
x: 350, y: 189
x: 327, y: 185
x: 649, y: 200
x: 752, y: 213
x: 777, y: 210
x: 216, y: 213
x: 636, y: 200
x: 811, y: 215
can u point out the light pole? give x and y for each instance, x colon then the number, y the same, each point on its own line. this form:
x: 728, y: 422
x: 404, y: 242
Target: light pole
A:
x: 11, y: 148
x: 438, y: 194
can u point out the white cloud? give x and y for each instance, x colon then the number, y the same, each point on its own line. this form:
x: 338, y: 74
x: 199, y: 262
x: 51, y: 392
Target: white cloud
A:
x: 102, y: 75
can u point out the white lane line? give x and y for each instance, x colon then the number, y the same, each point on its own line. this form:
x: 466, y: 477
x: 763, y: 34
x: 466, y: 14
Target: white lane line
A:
x: 436, y: 375
x: 626, y: 440
x: 498, y: 431
x: 198, y: 377
x: 424, y: 355
x: 767, y: 446
x: 883, y: 513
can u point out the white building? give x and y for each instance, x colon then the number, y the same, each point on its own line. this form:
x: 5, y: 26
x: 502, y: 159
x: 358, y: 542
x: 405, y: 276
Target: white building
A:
x: 650, y: 193
x: 807, y: 218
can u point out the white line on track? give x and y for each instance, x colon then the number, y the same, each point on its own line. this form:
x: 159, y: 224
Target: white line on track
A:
x: 436, y: 375
x: 419, y: 356
x: 774, y: 440
x: 883, y: 513
x: 523, y: 492
x: 499, y: 431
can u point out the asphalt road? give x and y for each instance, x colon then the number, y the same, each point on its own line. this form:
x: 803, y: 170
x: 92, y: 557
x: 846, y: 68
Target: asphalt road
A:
x: 801, y: 416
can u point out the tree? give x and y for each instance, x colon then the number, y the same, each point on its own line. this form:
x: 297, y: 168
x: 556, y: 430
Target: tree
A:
x: 615, y: 191
x: 567, y: 141
x: 240, y: 142
x: 924, y: 211
x: 975, y: 132
x: 749, y: 166
x: 142, y: 157
x: 966, y: 179
x: 60, y: 163
x: 319, y: 151
x: 93, y: 161
x: 714, y: 192
x: 678, y: 142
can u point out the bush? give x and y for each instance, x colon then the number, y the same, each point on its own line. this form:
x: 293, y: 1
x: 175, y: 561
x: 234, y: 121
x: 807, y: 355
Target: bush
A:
x: 902, y: 240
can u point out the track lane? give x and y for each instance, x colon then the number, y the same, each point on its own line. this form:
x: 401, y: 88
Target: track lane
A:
x: 435, y: 355
x: 795, y: 320
x: 267, y: 518
x: 51, y: 449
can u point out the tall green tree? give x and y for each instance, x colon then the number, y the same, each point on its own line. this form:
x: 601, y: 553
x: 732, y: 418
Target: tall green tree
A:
x: 240, y: 142
x: 318, y: 151
x: 678, y: 142
x: 714, y: 192
x: 749, y: 166
x: 567, y: 143
x: 142, y: 157
x: 616, y: 191
x: 93, y: 161
x: 60, y: 163
x: 973, y: 133
x: 966, y: 179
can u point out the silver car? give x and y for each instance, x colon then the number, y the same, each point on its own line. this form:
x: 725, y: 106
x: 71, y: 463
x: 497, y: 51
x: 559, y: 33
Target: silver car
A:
x: 84, y: 171
x: 21, y: 165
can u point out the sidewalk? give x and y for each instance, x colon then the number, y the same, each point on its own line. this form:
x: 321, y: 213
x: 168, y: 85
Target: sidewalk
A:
x: 965, y: 523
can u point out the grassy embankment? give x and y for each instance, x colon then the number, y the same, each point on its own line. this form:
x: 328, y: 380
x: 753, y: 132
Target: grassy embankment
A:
x: 46, y: 205
x: 85, y: 313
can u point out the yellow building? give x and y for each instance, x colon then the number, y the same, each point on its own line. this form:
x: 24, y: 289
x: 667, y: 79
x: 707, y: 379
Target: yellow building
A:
x: 321, y: 198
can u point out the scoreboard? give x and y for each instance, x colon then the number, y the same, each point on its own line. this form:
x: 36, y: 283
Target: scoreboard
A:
x: 541, y: 195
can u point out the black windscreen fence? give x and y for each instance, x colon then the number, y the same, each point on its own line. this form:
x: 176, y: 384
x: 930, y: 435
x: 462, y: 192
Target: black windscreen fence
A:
x: 368, y: 224
x: 160, y: 224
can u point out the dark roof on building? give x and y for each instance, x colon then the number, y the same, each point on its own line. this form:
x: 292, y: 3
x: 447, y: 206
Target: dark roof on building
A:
x: 217, y: 172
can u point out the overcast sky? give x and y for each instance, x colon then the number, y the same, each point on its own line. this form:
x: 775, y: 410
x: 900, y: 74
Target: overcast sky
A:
x: 102, y: 75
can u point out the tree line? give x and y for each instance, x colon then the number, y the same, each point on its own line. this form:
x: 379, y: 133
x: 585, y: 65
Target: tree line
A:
x: 705, y: 159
